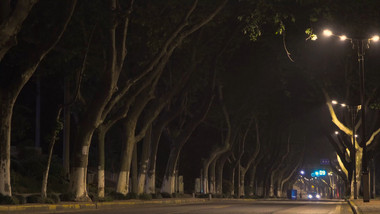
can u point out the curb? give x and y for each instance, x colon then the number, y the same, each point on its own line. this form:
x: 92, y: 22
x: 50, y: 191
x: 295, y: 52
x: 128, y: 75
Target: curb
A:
x: 89, y: 205
x: 353, y: 206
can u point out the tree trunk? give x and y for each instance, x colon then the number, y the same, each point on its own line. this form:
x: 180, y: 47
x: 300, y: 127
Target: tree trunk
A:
x: 163, y: 120
x: 101, y: 161
x: 232, y: 188
x: 219, y: 172
x: 169, y: 177
x: 359, y: 155
x: 37, y: 138
x: 57, y: 129
x: 205, y: 181
x: 125, y: 168
x: 151, y: 179
x: 212, y: 178
x: 6, y: 104
x: 78, y: 181
x: 144, y: 160
x: 290, y: 175
x: 252, y: 179
x: 131, y: 139
x: 179, y: 141
x: 271, y: 184
x: 66, y: 130
x: 242, y: 182
x: 373, y: 178
x: 19, y: 75
x: 134, y: 170
x: 11, y: 20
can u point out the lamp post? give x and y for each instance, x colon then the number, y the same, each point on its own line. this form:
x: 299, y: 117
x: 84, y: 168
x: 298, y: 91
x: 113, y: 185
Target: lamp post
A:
x: 359, y: 44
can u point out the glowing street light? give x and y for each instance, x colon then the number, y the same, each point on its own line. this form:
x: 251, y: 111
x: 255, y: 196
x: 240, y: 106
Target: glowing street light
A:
x: 375, y: 38
x: 336, y: 132
x: 334, y: 102
x: 302, y: 172
x: 327, y: 33
x: 343, y: 37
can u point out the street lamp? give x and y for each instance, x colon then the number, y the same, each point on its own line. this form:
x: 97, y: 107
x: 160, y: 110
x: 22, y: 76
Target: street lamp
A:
x: 359, y: 44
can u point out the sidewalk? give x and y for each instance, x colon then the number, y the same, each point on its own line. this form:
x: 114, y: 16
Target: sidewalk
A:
x: 92, y: 205
x: 371, y: 207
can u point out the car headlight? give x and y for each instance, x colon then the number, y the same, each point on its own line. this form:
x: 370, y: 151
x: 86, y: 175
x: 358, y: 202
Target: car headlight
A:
x: 310, y: 196
x: 318, y: 196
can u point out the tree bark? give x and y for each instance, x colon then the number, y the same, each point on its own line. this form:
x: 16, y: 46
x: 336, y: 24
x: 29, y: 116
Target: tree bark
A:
x: 66, y: 130
x: 115, y: 54
x: 144, y: 160
x: 131, y: 139
x: 179, y: 142
x: 220, y: 150
x: 164, y: 119
x: 277, y: 168
x: 11, y: 22
x: 54, y: 135
x: 6, y: 110
x: 252, y: 179
x: 243, y: 170
x: 212, y: 185
x: 101, y: 160
x: 134, y: 170
x: 219, y: 171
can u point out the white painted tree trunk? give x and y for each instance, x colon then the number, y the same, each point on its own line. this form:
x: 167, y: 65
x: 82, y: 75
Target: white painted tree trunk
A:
x: 205, y: 185
x: 359, y: 156
x: 271, y: 190
x: 5, y: 177
x: 168, y: 184
x: 123, y: 182
x: 79, y: 185
x: 242, y: 183
x: 271, y: 185
x: 150, y: 186
x: 101, y: 182
x: 212, y: 185
x: 6, y: 110
x: 141, y: 183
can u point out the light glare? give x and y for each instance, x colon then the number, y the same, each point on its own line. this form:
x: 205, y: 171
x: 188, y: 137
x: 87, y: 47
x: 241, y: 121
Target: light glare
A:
x: 343, y: 37
x: 343, y: 105
x: 334, y: 102
x: 336, y: 132
x: 327, y: 33
x: 375, y: 38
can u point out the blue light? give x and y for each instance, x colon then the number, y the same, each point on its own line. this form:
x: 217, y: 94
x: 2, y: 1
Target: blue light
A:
x: 318, y: 173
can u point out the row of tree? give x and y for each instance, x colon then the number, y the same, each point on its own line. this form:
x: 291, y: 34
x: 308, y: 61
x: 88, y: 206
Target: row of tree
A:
x: 148, y: 69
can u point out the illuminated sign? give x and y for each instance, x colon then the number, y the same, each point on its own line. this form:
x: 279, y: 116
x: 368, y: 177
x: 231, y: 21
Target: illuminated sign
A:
x: 318, y: 173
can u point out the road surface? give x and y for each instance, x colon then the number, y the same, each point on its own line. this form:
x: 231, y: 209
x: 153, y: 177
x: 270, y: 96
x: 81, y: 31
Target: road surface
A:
x: 232, y: 207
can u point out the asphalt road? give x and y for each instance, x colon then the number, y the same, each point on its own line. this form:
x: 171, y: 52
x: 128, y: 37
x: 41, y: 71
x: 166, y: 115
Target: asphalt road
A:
x: 232, y: 207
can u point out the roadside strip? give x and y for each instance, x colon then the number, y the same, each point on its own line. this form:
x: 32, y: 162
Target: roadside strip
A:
x: 353, y: 206
x: 91, y: 205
